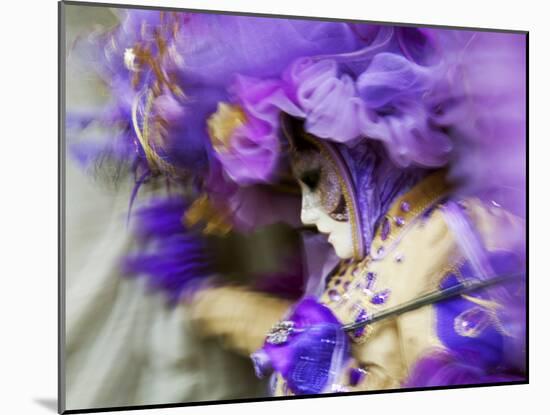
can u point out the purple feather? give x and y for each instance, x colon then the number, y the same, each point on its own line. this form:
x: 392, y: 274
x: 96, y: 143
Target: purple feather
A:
x: 173, y: 258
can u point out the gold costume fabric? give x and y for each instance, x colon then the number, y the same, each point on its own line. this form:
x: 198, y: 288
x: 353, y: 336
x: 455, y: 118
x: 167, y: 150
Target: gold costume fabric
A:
x: 418, y: 251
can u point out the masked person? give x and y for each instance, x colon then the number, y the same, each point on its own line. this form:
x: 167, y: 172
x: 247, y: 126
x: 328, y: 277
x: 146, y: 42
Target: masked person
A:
x: 399, y: 234
x: 407, y: 147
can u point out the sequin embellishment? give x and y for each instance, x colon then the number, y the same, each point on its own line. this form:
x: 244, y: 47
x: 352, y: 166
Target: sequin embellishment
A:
x: 471, y: 322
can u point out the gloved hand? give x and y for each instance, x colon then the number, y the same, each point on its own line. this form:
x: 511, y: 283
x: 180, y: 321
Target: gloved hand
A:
x: 308, y: 348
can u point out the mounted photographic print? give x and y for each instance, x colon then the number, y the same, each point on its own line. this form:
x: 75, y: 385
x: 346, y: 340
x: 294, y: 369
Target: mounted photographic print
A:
x: 275, y: 206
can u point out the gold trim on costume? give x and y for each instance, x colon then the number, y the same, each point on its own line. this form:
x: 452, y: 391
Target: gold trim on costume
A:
x: 424, y: 195
x: 155, y: 162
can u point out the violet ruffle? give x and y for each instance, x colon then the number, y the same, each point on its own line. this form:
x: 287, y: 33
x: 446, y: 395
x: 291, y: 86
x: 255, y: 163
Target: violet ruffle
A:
x: 411, y: 93
x: 216, y: 54
x: 375, y: 92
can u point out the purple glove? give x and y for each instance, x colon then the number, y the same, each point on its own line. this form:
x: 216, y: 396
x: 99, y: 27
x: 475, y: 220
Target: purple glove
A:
x: 309, y: 349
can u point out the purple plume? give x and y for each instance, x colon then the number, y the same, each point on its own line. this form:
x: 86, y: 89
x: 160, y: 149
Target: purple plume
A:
x: 173, y: 258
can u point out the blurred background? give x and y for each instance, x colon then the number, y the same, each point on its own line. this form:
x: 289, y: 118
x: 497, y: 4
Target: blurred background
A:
x: 124, y: 344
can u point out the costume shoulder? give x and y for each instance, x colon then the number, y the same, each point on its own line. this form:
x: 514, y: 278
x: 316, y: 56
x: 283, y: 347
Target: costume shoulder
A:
x: 498, y: 228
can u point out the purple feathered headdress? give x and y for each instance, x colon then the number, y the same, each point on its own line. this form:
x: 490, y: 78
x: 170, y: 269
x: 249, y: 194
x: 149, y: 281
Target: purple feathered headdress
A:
x: 191, y: 92
x: 197, y: 99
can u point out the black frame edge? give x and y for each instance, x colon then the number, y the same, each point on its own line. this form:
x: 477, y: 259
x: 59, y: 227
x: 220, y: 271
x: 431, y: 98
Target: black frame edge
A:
x: 61, y: 54
x: 285, y: 16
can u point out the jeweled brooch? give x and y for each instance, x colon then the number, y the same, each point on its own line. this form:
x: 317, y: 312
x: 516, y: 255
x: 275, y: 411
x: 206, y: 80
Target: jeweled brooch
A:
x: 280, y: 332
